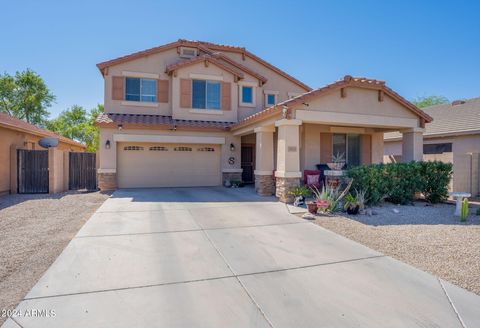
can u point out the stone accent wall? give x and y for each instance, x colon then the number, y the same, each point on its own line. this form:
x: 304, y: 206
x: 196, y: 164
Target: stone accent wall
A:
x: 231, y: 176
x: 107, y: 181
x: 264, y: 185
x: 283, y: 187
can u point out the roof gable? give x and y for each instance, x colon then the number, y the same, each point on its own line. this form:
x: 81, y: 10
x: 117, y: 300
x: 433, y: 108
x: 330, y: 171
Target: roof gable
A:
x: 16, y: 124
x: 205, y: 47
x: 347, y: 81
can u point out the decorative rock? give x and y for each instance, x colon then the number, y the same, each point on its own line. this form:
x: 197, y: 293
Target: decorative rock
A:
x: 395, y: 211
x: 284, y: 185
x: 264, y: 185
x: 308, y: 216
x: 107, y: 181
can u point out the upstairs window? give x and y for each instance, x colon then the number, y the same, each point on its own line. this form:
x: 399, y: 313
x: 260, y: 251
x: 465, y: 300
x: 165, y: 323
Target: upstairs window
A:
x: 247, y: 95
x: 270, y: 100
x: 271, y: 97
x: 205, y: 94
x: 138, y: 89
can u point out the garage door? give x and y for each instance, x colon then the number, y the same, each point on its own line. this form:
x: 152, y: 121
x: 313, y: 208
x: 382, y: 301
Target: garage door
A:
x: 167, y: 165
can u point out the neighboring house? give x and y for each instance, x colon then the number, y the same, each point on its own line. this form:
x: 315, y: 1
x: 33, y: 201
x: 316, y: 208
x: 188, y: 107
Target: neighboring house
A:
x: 17, y: 134
x: 453, y: 136
x: 193, y: 113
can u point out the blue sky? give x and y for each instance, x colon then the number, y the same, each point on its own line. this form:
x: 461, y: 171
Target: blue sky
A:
x: 418, y: 47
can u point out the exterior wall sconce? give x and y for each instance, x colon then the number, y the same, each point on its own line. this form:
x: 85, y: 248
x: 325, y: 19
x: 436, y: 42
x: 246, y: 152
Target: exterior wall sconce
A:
x: 120, y: 126
x: 232, y: 147
x: 107, y: 144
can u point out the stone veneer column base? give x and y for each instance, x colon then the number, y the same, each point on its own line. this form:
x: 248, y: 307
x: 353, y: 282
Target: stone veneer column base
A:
x: 231, y: 176
x: 284, y: 185
x: 264, y: 185
x: 107, y: 181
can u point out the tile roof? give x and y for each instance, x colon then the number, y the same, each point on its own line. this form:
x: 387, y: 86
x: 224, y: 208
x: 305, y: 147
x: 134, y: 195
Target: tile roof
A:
x: 347, y: 81
x: 206, y: 45
x: 14, y: 123
x: 113, y: 119
x: 204, y: 58
x: 450, y: 119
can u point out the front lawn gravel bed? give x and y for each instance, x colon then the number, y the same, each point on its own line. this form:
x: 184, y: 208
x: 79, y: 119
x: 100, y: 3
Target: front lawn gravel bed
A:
x: 34, y: 230
x: 427, y: 237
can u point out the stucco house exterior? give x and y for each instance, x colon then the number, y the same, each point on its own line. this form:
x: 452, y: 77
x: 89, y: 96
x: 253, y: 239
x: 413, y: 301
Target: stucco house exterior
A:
x: 17, y: 134
x: 193, y: 113
x: 454, y: 137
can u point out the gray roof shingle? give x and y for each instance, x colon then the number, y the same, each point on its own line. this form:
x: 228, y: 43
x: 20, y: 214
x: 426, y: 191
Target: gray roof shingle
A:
x: 449, y: 119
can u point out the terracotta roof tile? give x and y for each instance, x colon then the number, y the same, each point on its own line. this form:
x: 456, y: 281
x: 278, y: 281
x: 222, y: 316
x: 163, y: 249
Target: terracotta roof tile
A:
x: 17, y: 124
x: 347, y: 81
x: 158, y: 120
x: 198, y: 44
x: 184, y: 63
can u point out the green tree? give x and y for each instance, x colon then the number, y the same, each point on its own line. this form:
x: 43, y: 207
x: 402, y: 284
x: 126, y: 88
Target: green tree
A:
x: 25, y: 96
x: 78, y: 124
x: 427, y: 101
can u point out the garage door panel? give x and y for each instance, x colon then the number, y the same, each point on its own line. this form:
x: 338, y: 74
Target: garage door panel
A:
x: 167, y: 165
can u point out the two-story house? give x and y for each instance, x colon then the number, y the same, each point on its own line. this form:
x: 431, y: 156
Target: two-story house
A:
x: 193, y: 113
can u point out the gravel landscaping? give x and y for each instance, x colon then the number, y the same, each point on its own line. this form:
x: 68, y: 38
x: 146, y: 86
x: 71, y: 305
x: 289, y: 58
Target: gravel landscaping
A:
x: 34, y: 229
x: 427, y: 237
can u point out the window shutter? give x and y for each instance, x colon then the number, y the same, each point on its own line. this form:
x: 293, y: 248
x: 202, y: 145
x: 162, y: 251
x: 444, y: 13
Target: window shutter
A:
x: 162, y: 91
x: 185, y: 93
x: 226, y: 96
x: 365, y: 149
x: 326, y: 148
x: 118, y: 88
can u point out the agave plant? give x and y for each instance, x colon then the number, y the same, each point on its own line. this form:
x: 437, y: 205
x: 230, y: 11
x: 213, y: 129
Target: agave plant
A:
x: 329, y: 198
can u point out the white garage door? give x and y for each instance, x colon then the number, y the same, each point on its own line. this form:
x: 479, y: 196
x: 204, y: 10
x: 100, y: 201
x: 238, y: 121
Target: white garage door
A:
x: 167, y: 165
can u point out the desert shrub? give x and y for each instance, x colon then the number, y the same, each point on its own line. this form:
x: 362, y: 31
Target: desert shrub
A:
x: 398, y: 182
x: 435, y: 177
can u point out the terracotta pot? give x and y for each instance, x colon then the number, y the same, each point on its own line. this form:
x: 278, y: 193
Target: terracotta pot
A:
x: 312, y: 207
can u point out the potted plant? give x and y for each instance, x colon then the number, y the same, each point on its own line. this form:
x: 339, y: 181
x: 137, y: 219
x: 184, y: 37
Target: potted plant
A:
x: 299, y: 193
x: 338, y: 161
x: 351, y: 204
x: 312, y: 207
x: 236, y: 183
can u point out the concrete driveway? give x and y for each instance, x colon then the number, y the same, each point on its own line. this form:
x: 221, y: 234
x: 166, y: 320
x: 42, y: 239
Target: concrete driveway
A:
x: 216, y: 257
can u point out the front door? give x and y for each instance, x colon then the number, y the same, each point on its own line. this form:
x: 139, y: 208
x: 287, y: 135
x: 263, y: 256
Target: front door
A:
x: 248, y: 163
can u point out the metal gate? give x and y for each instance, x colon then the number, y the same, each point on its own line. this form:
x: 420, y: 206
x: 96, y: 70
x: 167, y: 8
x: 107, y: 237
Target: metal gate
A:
x: 82, y: 171
x: 32, y: 171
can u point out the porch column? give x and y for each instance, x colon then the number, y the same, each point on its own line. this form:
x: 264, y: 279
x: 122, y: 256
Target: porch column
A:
x: 264, y: 181
x: 412, y: 145
x: 288, y: 158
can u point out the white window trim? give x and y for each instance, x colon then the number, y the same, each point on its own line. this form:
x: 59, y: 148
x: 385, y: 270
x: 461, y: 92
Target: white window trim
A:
x: 206, y: 97
x: 197, y: 76
x: 270, y: 93
x: 206, y: 111
x: 140, y: 74
x: 253, y: 85
x: 139, y: 103
x: 293, y: 94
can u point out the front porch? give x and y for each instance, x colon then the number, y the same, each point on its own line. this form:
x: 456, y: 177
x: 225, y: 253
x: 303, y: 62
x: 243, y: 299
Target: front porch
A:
x: 304, y: 133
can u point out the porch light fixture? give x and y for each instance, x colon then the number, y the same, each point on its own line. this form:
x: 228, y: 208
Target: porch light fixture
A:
x: 232, y: 147
x: 120, y: 126
x: 107, y: 144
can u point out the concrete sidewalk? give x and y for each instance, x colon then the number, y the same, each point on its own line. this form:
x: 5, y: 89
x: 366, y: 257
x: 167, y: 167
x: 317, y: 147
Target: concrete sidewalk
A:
x: 216, y: 257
